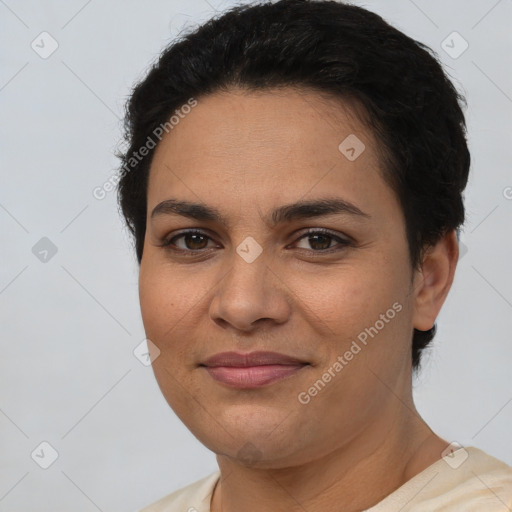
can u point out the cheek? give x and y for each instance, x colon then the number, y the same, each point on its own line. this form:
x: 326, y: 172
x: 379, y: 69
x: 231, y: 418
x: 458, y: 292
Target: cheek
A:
x: 167, y: 306
x: 346, y: 300
x: 155, y: 299
x: 174, y: 309
x: 162, y: 306
x: 164, y: 297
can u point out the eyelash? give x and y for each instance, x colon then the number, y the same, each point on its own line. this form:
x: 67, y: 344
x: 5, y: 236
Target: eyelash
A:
x: 342, y: 242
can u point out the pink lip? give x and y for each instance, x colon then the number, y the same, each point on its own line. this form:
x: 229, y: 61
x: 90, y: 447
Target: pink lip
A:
x: 251, y: 370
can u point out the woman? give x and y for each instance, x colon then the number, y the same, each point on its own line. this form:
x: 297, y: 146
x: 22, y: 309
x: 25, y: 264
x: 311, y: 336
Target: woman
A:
x: 294, y: 184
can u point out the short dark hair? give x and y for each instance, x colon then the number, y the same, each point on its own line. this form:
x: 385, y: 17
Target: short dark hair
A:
x: 343, y: 50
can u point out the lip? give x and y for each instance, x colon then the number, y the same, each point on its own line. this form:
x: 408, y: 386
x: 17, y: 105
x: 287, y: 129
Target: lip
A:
x: 253, y: 369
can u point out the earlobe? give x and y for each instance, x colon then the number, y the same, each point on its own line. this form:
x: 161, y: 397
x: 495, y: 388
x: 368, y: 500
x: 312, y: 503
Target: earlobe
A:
x: 434, y: 279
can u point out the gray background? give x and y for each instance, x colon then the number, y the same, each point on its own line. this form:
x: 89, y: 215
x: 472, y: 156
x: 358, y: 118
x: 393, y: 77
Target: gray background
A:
x: 70, y: 323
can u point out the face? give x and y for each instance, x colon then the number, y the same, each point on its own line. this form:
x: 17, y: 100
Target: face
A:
x: 297, y: 248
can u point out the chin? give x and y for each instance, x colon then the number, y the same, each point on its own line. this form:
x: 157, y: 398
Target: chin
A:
x: 261, y: 445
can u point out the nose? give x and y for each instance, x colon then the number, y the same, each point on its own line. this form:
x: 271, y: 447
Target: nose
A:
x: 250, y: 295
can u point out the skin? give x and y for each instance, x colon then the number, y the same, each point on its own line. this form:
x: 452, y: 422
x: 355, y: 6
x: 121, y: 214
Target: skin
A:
x: 360, y: 438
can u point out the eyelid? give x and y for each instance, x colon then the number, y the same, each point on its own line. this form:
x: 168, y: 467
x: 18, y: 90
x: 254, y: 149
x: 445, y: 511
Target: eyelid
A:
x: 166, y: 242
x: 343, y: 240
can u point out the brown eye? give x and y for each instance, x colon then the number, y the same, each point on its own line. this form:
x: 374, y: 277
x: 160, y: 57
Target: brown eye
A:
x: 319, y: 241
x: 193, y: 241
x: 188, y: 241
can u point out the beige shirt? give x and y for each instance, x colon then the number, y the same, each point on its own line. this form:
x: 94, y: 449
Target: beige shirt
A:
x: 470, y: 481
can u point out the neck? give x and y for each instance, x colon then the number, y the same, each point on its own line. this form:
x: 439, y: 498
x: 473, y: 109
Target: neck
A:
x: 352, y: 477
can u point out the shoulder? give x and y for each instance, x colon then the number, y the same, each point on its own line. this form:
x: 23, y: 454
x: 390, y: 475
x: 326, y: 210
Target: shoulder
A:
x: 471, y: 480
x: 481, y: 482
x: 194, y: 497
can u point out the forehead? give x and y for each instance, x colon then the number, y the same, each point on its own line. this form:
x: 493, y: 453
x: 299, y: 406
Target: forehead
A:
x: 224, y: 123
x: 265, y: 142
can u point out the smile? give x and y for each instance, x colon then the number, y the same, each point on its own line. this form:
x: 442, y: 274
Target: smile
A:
x: 253, y: 370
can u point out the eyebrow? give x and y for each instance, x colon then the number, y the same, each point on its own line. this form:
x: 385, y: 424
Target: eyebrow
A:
x: 280, y: 215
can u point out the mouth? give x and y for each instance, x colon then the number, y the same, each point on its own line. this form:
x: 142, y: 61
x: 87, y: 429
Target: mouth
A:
x: 251, y: 370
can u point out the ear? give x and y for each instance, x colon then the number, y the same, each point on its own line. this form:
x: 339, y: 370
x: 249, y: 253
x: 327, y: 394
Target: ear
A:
x: 433, y: 280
